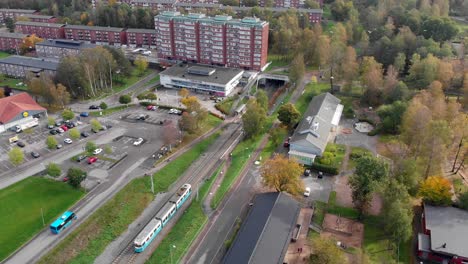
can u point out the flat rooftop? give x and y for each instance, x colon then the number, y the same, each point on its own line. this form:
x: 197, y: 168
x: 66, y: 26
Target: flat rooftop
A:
x: 69, y: 44
x: 12, y: 35
x: 113, y: 29
x: 39, y: 24
x: 30, y: 62
x: 25, y: 11
x: 141, y: 30
x: 218, y: 75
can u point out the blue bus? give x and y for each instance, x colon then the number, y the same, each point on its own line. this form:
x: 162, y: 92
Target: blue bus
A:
x: 62, y: 222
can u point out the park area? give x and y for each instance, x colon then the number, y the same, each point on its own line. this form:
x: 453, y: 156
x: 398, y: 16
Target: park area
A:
x: 20, y: 213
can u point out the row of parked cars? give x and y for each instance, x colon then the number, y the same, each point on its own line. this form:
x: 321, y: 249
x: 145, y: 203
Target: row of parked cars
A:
x: 172, y: 111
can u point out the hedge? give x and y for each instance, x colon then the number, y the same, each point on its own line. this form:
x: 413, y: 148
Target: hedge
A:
x: 325, y: 168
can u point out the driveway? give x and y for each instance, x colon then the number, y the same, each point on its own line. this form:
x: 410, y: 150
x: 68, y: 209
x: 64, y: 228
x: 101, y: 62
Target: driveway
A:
x: 354, y: 138
x: 319, y: 188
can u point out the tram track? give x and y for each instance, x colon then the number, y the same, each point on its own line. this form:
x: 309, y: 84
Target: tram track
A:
x: 200, y: 170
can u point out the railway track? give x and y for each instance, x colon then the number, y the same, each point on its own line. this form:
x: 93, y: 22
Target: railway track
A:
x: 201, y: 169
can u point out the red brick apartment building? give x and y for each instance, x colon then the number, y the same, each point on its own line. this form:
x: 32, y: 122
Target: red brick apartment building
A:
x: 42, y: 30
x: 96, y: 35
x: 13, y: 13
x: 11, y: 41
x: 137, y: 37
x: 219, y: 40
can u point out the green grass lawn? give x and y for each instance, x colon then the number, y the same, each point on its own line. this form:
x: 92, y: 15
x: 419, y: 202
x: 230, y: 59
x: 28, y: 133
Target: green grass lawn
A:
x: 225, y: 106
x: 20, y: 213
x: 155, y: 79
x: 277, y: 61
x: 186, y: 229
x: 12, y: 82
x: 109, y: 111
x: 129, y: 81
x: 271, y: 147
x: 458, y: 186
x: 106, y: 224
x: 4, y: 54
x: 310, y: 91
x: 319, y: 213
x: 240, y: 155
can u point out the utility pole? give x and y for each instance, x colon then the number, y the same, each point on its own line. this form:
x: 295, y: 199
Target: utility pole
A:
x: 458, y: 152
x: 198, y: 185
x: 42, y: 214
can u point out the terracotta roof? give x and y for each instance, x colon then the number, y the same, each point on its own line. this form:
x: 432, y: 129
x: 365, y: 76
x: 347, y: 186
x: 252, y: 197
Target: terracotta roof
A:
x: 13, y: 105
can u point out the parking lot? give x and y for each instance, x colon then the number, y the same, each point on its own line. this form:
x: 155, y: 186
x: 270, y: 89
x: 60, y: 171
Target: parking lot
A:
x: 319, y: 188
x: 154, y: 117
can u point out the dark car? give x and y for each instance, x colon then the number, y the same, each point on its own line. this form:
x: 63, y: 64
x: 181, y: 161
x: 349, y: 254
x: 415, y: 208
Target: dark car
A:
x: 306, y: 172
x: 58, y: 123
x: 70, y: 125
x: 85, y: 134
x: 320, y: 175
x: 35, y: 155
x: 50, y: 126
x: 94, y: 107
x: 109, y: 126
x: 80, y: 158
x: 53, y: 132
x: 59, y: 146
x: 20, y: 144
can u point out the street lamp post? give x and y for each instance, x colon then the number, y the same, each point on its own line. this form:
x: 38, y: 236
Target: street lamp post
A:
x: 331, y: 79
x: 170, y: 251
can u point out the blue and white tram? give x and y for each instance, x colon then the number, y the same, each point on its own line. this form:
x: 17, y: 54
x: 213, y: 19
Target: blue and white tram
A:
x: 181, y: 195
x: 147, y: 235
x: 166, y: 213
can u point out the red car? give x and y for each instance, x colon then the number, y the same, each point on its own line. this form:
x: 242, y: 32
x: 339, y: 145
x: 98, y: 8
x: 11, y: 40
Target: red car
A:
x: 91, y: 160
x: 64, y: 127
x: 65, y: 179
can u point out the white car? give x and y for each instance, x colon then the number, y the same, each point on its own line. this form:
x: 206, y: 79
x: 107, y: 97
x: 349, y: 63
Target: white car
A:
x: 68, y: 141
x: 97, y: 151
x: 175, y: 111
x: 307, y: 192
x: 146, y: 52
x: 138, y: 142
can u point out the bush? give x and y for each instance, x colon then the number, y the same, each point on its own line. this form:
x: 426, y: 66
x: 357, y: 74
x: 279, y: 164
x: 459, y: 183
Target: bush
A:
x: 125, y: 99
x: 348, y: 112
x: 146, y: 103
x: 51, y: 142
x: 75, y: 177
x: 103, y: 106
x: 368, y: 120
x: 90, y: 146
x: 374, y: 132
x: 53, y: 170
x: 325, y: 168
x: 355, y: 155
x: 68, y: 114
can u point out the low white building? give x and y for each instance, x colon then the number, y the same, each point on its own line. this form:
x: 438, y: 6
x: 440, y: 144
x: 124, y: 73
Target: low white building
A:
x: 213, y: 80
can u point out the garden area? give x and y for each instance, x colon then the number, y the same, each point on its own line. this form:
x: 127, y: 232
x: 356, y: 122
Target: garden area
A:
x: 89, y: 240
x: 22, y: 202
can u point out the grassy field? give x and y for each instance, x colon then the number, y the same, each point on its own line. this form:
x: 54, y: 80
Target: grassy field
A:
x: 458, y: 186
x: 4, y: 54
x: 155, y: 79
x: 278, y: 61
x: 239, y: 157
x: 109, y: 111
x: 129, y: 81
x: 310, y: 91
x: 319, y: 214
x: 12, y: 82
x: 186, y: 229
x: 20, y: 213
x: 271, y: 147
x: 112, y: 219
x: 225, y: 106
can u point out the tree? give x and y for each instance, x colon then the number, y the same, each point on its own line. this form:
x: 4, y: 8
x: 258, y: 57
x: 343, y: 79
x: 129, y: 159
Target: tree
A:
x: 170, y: 133
x: 53, y: 169
x: 391, y: 116
x: 262, y: 99
x: 61, y: 95
x: 340, y: 9
x: 29, y: 43
x: 398, y: 221
x: 75, y: 176
x: 326, y: 252
x: 188, y: 123
x: 50, y: 121
x: 436, y: 190
x: 288, y: 115
x: 10, y: 24
x: 51, y: 142
x: 349, y: 67
x: 311, y: 4
x: 283, y: 175
x: 141, y: 64
x: 463, y: 200
x: 95, y: 124
x: 297, y: 69
x: 16, y: 156
x: 369, y: 171
x: 74, y: 133
x: 90, y: 146
x: 68, y: 114
x: 124, y: 67
x: 125, y: 99
x: 439, y: 29
x: 184, y: 92
x: 254, y: 119
x: 103, y: 106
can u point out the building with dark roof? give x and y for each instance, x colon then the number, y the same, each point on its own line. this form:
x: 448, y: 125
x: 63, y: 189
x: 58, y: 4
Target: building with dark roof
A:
x: 312, y: 134
x: 13, y: 13
x: 58, y: 48
x: 40, y: 18
x: 445, y: 235
x: 11, y: 41
x: 42, y: 30
x: 204, y: 79
x: 98, y: 35
x: 266, y: 232
x: 19, y: 66
x: 139, y: 37
x: 18, y: 109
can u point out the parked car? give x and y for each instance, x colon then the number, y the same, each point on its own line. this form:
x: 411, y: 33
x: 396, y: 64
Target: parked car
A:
x: 59, y: 146
x: 84, y: 114
x: 60, y: 130
x: 307, y: 192
x: 109, y: 126
x: 53, y: 132
x: 94, y: 107
x: 306, y: 172
x: 50, y: 126
x: 68, y: 141
x: 138, y: 142
x: 142, y: 117
x: 320, y: 175
x: 80, y: 158
x: 92, y: 159
x: 20, y: 144
x: 103, y: 128
x: 151, y: 107
x: 97, y: 151
x: 58, y: 123
x: 35, y: 155
x: 175, y: 111
x: 70, y: 125
x: 65, y: 179
x: 85, y: 134
x: 64, y: 127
